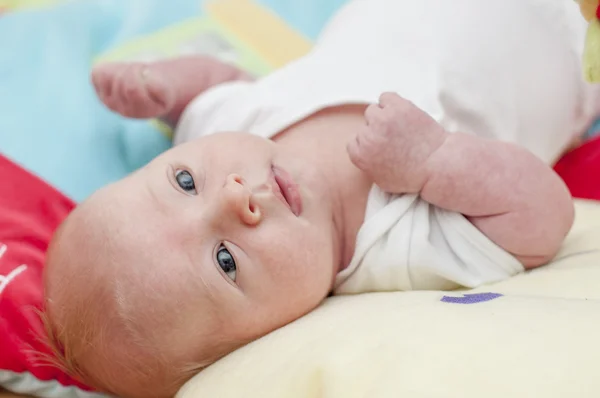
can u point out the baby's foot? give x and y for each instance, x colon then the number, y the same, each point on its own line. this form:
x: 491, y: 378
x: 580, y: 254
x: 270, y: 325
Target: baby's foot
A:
x: 133, y: 90
x: 163, y: 88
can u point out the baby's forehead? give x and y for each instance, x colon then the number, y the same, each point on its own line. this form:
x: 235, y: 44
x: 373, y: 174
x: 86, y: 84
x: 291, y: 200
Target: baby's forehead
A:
x: 118, y: 216
x: 121, y: 248
x: 125, y: 253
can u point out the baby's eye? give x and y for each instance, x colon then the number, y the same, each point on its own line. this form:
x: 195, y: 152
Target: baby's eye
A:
x: 185, y: 181
x: 226, y: 262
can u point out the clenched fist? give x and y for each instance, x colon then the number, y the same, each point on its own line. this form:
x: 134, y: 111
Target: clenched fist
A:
x: 396, y: 143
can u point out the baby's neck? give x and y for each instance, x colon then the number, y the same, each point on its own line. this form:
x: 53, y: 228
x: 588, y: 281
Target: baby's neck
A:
x: 321, y: 140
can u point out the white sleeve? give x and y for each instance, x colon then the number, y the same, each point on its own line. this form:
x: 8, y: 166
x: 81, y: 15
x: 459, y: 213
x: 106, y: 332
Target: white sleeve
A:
x: 409, y: 244
x: 205, y: 114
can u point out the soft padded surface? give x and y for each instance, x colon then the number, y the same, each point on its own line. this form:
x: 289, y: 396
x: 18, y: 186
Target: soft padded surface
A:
x: 535, y: 335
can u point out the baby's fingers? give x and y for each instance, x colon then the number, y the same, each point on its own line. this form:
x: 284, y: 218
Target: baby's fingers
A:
x: 356, y: 152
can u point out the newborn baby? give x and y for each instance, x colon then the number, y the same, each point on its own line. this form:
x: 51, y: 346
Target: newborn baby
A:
x: 316, y: 182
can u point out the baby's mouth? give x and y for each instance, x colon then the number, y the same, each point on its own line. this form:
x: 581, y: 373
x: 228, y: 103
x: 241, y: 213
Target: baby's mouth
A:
x: 286, y: 189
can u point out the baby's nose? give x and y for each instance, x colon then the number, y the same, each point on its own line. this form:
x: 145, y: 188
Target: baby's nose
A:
x: 237, y: 199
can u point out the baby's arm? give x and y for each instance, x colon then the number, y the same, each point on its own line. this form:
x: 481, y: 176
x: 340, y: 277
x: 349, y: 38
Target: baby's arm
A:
x: 505, y: 191
x: 160, y: 89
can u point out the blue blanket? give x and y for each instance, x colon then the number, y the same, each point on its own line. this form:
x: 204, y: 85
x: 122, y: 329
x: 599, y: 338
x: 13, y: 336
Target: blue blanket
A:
x: 50, y: 119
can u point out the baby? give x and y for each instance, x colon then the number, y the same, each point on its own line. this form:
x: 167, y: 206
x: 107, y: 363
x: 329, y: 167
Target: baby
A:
x: 317, y: 183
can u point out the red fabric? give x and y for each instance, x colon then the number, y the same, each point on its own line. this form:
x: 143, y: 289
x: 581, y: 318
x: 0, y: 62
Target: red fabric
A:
x: 598, y: 12
x: 30, y: 210
x: 580, y: 169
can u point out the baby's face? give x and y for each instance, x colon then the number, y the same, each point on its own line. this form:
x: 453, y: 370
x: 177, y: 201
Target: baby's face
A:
x: 224, y: 238
x: 247, y: 219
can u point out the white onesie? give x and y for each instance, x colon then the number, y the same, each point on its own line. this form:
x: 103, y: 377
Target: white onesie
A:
x: 508, y: 70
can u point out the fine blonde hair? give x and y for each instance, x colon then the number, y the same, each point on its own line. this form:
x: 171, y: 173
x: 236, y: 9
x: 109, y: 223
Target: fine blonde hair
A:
x: 91, y: 340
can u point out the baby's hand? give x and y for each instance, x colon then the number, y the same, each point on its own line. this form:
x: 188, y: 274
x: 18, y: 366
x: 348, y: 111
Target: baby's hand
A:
x: 396, y: 143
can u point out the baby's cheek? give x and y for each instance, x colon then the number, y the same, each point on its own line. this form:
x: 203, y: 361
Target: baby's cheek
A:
x: 314, y: 266
x: 297, y: 262
x: 298, y: 266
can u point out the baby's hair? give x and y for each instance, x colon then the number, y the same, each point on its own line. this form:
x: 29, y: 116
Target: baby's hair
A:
x: 95, y: 332
x: 70, y: 343
x: 62, y: 357
x: 57, y: 342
